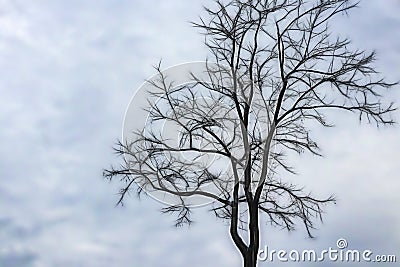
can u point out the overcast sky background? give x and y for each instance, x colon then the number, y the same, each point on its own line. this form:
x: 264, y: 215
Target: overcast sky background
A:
x: 67, y: 72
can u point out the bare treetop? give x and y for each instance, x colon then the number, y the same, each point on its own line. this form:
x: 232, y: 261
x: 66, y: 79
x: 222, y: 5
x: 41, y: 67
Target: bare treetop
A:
x: 277, y: 68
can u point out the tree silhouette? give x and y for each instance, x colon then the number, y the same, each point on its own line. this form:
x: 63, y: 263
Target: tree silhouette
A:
x: 277, y: 70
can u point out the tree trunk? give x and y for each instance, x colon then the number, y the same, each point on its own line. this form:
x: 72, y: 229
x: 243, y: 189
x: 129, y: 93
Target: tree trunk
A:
x: 250, y: 260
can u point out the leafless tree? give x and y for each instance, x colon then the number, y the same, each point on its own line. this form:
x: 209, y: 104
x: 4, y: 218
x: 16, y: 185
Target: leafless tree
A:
x: 278, y: 70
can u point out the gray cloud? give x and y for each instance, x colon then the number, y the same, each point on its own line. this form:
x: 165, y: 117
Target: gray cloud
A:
x: 67, y: 73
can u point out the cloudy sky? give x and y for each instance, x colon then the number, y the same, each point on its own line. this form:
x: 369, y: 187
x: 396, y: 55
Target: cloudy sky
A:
x: 67, y: 72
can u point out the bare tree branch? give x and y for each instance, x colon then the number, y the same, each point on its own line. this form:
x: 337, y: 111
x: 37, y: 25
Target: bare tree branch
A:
x: 280, y: 69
